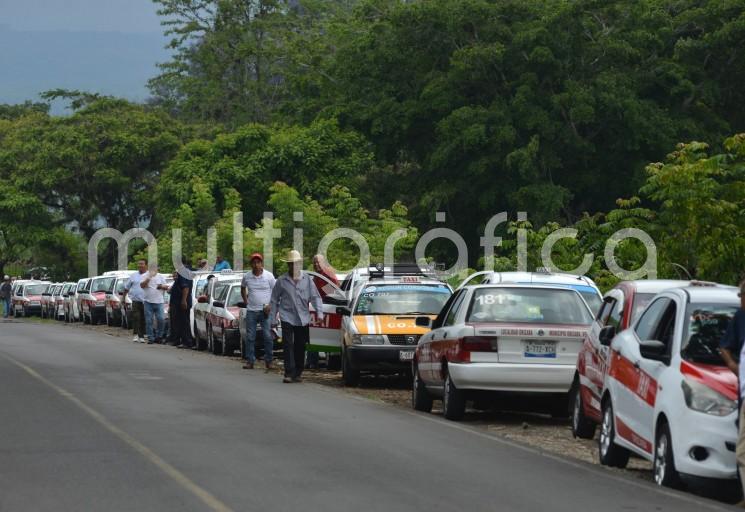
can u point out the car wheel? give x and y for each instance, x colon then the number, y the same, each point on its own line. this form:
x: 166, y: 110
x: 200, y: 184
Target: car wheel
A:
x: 582, y: 426
x: 226, y: 349
x: 349, y: 374
x: 421, y: 400
x: 610, y: 453
x: 212, y: 342
x: 108, y: 319
x: 665, y: 473
x: 24, y: 312
x: 453, y: 400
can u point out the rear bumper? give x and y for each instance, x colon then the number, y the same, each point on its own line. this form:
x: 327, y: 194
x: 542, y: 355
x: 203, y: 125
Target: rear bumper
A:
x: 378, y: 357
x: 532, y: 378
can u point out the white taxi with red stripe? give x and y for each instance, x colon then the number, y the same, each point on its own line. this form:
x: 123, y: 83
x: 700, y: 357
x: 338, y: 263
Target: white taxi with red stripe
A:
x: 668, y: 397
x: 379, y: 331
x: 517, y: 338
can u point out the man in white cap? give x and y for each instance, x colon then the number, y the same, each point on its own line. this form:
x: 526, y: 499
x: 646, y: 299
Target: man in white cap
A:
x: 6, y: 288
x: 291, y: 296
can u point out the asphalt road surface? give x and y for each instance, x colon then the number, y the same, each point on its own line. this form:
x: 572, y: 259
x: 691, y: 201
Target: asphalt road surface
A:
x: 92, y: 422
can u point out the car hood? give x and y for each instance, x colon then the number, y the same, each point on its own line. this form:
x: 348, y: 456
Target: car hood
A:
x: 389, y: 324
x: 719, y: 378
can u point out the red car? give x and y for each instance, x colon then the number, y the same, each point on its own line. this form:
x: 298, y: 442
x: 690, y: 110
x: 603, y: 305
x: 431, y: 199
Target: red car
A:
x: 621, y: 306
x: 27, y: 298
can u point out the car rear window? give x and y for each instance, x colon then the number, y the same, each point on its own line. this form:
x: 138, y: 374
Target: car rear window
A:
x: 528, y: 305
x: 705, y: 328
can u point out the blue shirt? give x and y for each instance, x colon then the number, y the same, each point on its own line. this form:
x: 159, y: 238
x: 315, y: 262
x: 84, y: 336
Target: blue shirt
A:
x: 735, y: 334
x: 291, y: 299
x: 223, y: 265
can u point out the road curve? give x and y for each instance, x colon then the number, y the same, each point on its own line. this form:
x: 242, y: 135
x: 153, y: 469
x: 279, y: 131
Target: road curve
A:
x: 92, y: 422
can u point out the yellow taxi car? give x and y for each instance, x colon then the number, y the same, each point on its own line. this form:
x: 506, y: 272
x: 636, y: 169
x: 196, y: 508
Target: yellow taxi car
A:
x: 379, y: 332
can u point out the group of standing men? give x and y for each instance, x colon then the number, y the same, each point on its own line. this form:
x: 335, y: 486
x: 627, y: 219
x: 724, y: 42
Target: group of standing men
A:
x: 146, y: 289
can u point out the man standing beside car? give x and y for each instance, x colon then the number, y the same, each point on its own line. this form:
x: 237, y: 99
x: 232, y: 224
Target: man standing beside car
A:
x: 180, y: 304
x: 256, y: 291
x: 137, y: 296
x: 291, y: 296
x: 154, y: 285
x: 733, y: 353
x: 6, y: 289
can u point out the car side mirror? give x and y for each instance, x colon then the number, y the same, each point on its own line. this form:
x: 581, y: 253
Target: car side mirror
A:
x: 202, y: 299
x: 344, y: 311
x: 606, y: 335
x: 218, y: 304
x: 424, y: 321
x: 654, y: 350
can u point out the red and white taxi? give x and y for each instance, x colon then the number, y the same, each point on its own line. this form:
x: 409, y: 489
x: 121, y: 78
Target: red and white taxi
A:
x: 213, y: 287
x: 27, y: 298
x: 116, y: 312
x: 223, y: 329
x: 500, y: 338
x: 57, y: 306
x: 92, y: 299
x: 47, y: 299
x: 620, y: 307
x: 668, y: 397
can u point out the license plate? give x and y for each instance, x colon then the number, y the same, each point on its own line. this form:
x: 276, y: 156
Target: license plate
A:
x: 544, y: 349
x: 406, y: 355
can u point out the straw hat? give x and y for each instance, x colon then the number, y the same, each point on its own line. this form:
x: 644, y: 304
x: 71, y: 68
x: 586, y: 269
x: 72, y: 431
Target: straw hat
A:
x: 293, y: 257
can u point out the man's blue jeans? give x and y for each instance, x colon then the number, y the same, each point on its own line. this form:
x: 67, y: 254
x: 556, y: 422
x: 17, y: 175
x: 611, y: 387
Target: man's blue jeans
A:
x: 253, y: 318
x: 5, y: 307
x: 154, y: 312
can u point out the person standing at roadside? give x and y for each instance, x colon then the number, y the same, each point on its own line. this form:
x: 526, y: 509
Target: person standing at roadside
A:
x: 154, y: 285
x: 180, y: 303
x: 291, y: 296
x: 222, y: 264
x: 256, y: 291
x: 6, y: 289
x: 137, y: 296
x: 732, y: 348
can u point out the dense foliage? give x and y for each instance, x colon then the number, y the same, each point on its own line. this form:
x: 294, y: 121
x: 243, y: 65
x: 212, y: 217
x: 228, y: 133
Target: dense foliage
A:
x: 375, y: 114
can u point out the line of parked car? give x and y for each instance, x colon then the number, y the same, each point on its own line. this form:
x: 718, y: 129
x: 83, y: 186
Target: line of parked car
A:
x: 642, y: 362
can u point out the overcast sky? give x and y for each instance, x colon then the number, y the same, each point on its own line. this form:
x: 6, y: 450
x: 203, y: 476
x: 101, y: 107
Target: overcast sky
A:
x: 80, y: 15
x: 107, y: 46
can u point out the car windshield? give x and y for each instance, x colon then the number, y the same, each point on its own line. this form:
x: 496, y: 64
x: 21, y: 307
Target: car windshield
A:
x: 528, y: 305
x: 402, y: 299
x: 102, y: 285
x: 66, y: 289
x: 120, y: 286
x: 234, y: 297
x: 36, y: 289
x: 706, y: 326
x: 641, y: 301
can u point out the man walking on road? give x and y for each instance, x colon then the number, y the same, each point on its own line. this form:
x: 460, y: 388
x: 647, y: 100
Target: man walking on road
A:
x: 180, y: 304
x: 256, y: 291
x: 154, y: 285
x: 292, y: 294
x: 137, y: 295
x: 6, y: 289
x: 733, y: 352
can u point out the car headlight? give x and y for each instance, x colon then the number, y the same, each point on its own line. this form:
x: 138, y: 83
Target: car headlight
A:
x: 368, y: 339
x: 702, y: 398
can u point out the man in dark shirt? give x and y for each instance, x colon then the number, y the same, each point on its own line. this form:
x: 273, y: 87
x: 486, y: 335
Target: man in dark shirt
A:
x: 180, y: 303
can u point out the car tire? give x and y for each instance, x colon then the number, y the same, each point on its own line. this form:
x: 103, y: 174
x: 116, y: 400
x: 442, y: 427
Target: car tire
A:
x: 453, y: 400
x: 333, y: 362
x: 200, y: 343
x: 212, y: 342
x: 421, y: 400
x: 582, y: 426
x: 24, y: 312
x: 664, y: 471
x: 610, y: 453
x: 349, y: 374
x: 225, y: 345
x: 108, y: 319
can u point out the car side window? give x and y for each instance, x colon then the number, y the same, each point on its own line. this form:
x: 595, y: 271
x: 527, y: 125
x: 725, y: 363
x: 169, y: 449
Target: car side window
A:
x: 453, y: 311
x: 605, y: 309
x: 666, y: 328
x: 648, y: 324
x: 446, y: 309
x: 19, y: 293
x: 616, y: 313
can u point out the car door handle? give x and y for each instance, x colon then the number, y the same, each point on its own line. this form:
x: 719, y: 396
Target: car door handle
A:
x: 636, y: 364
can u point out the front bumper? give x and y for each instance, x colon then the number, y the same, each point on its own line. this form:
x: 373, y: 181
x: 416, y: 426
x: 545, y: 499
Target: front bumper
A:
x: 532, y: 378
x: 378, y: 357
x: 717, y: 435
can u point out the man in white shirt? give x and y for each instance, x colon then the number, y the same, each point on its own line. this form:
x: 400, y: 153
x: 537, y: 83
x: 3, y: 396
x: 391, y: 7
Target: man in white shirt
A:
x: 153, y: 285
x: 137, y: 295
x: 256, y: 290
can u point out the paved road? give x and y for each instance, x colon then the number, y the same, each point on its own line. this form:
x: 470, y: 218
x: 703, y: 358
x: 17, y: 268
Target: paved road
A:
x: 91, y: 422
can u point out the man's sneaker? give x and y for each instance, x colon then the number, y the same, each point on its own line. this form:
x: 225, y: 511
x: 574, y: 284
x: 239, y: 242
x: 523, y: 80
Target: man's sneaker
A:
x: 136, y: 338
x: 142, y: 340
x: 267, y: 367
x: 287, y: 380
x: 248, y: 366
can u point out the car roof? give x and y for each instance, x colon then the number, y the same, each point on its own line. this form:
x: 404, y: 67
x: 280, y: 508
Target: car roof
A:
x: 543, y: 277
x: 707, y: 294
x: 656, y: 285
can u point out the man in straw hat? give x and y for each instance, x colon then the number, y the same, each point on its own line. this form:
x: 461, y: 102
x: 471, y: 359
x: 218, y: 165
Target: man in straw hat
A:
x: 292, y: 294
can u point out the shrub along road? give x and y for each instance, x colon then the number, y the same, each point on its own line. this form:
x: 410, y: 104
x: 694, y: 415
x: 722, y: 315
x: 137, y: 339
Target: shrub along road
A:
x: 91, y: 422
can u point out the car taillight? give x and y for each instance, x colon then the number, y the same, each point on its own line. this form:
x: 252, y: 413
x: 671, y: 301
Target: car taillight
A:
x: 468, y: 344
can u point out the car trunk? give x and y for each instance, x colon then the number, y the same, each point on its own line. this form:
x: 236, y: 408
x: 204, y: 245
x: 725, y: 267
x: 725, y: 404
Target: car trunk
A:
x: 545, y: 344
